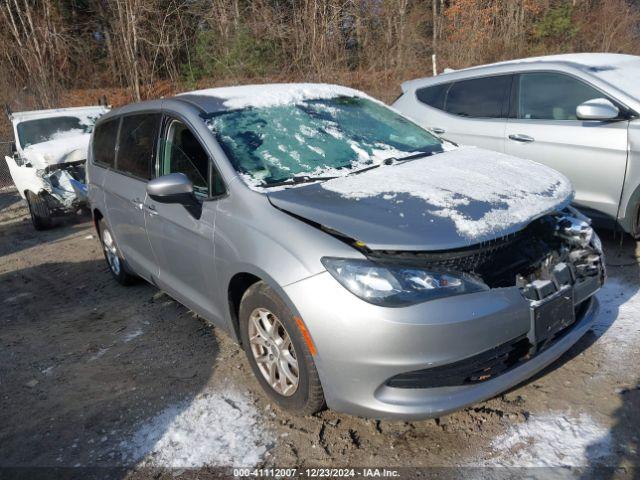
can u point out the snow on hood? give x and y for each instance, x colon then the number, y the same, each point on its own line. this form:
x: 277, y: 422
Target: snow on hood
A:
x: 269, y: 95
x: 63, y: 147
x: 512, y: 190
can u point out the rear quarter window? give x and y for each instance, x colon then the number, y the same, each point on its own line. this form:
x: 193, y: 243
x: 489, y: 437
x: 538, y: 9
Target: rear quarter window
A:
x: 104, y: 143
x: 137, y: 144
x: 479, y: 97
x: 433, y: 96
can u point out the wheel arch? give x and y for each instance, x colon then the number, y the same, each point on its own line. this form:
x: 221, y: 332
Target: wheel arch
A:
x: 96, y: 214
x: 237, y: 286
x: 631, y: 221
x: 27, y: 191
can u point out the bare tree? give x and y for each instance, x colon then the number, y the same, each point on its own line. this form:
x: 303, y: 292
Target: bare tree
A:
x: 125, y: 17
x: 152, y: 46
x: 36, y: 47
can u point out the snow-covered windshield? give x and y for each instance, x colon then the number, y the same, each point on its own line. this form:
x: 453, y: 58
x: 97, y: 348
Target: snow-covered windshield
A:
x: 317, y: 137
x: 31, y: 132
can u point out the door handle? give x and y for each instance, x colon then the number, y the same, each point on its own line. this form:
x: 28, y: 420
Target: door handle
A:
x: 437, y: 130
x: 137, y: 203
x: 151, y: 209
x: 519, y: 137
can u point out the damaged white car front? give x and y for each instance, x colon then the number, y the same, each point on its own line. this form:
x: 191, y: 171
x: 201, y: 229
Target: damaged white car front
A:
x: 48, y: 161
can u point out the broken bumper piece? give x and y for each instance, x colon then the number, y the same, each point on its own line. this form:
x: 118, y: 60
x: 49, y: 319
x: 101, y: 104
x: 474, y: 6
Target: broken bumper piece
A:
x: 65, y: 186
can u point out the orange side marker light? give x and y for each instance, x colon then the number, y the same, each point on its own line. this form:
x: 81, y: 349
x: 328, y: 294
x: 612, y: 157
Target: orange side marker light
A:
x: 306, y: 335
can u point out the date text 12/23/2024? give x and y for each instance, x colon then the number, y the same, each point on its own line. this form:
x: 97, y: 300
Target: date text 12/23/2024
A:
x: 315, y: 472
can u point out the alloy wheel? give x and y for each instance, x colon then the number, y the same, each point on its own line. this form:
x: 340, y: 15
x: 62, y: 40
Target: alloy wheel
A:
x: 273, y: 351
x: 111, y: 251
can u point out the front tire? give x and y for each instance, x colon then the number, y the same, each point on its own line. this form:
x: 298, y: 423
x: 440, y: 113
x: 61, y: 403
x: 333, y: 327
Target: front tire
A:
x: 279, y: 356
x: 117, y: 265
x: 39, y: 211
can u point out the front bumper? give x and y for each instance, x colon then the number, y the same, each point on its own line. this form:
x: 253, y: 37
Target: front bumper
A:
x: 361, y: 346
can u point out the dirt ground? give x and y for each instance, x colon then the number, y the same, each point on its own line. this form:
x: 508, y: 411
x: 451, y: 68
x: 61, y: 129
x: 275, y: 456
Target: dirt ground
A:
x: 96, y: 374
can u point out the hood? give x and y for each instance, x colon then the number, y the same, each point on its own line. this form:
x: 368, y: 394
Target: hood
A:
x: 59, y: 150
x: 449, y: 200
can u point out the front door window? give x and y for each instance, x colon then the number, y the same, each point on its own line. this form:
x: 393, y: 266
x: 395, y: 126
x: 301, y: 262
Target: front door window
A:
x: 552, y: 96
x: 183, y: 153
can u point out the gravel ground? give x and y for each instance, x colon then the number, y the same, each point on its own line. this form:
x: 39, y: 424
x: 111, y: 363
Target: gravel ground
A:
x: 95, y: 374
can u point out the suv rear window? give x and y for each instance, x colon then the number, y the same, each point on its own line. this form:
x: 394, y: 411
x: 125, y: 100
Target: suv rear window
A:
x: 433, y: 96
x: 136, y: 146
x: 476, y: 98
x: 479, y: 97
x: 104, y: 143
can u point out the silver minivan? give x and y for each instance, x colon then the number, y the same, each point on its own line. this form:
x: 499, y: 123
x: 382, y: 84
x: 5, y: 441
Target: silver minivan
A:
x: 360, y: 261
x: 577, y: 113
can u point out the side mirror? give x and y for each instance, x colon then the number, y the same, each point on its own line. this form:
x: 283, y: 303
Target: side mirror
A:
x: 14, y: 150
x: 175, y: 188
x: 597, y: 109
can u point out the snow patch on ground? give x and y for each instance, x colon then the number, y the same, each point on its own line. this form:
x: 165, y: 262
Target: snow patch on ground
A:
x: 618, y: 323
x: 269, y: 95
x: 451, y: 181
x: 551, y: 440
x: 561, y: 439
x: 17, y: 297
x: 131, y: 335
x: 98, y: 354
x: 215, y: 428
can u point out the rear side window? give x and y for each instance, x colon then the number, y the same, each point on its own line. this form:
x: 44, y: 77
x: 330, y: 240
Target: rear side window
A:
x: 104, y: 143
x: 552, y: 96
x: 433, y: 96
x: 480, y: 97
x: 136, y: 147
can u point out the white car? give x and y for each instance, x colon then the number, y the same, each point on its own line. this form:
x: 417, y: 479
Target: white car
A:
x: 578, y: 114
x: 48, y: 161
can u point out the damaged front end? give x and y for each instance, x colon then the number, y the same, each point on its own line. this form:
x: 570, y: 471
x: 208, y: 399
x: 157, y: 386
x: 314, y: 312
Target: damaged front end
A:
x: 61, y: 186
x: 556, y: 262
x: 554, y: 250
x: 65, y: 186
x: 48, y: 159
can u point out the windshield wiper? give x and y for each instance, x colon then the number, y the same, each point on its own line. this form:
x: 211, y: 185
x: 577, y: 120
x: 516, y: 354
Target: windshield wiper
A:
x: 393, y: 161
x: 413, y: 156
x: 296, y: 181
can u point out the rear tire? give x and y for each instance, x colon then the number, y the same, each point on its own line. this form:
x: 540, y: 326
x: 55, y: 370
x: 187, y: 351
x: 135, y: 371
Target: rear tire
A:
x: 115, y: 262
x: 278, y: 354
x: 39, y: 211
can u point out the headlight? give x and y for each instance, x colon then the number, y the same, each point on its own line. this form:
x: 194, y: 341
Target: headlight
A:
x: 396, y: 286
